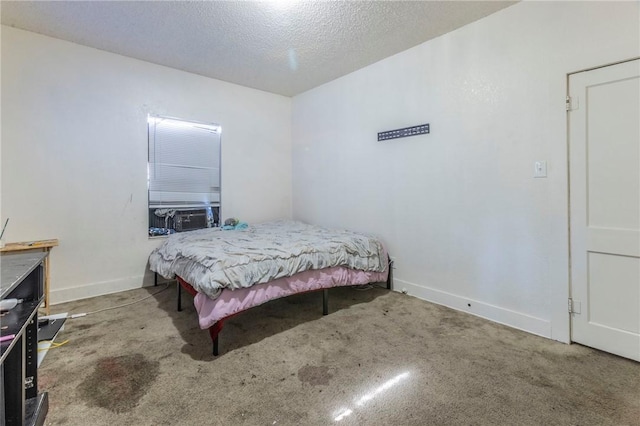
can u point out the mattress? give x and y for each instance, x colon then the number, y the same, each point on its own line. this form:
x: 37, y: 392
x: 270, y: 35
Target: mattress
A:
x: 211, y: 260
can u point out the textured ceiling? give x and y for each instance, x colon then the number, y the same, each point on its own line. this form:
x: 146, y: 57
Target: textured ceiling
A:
x: 283, y: 47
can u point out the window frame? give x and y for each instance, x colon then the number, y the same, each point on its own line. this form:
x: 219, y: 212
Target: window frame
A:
x: 186, y: 209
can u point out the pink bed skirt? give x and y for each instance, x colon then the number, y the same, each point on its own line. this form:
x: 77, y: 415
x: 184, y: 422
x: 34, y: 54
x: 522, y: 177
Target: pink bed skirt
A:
x: 231, y: 302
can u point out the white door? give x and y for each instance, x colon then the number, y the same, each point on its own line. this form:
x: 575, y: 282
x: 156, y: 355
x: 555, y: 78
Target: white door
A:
x: 604, y: 168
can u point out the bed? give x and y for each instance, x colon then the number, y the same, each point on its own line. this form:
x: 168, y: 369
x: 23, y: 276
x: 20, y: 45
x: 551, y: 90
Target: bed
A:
x: 230, y: 271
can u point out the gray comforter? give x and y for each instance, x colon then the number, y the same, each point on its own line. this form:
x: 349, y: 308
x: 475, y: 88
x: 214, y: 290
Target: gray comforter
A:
x: 211, y: 260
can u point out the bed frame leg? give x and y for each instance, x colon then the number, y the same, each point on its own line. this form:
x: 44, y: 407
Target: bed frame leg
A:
x: 390, y: 276
x: 155, y: 279
x: 325, y: 301
x: 215, y: 346
x: 179, y: 297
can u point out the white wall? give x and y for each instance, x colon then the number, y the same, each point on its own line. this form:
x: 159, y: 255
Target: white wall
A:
x: 459, y: 208
x: 74, y: 154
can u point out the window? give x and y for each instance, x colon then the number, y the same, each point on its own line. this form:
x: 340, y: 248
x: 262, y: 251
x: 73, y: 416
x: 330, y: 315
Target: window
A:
x: 183, y: 175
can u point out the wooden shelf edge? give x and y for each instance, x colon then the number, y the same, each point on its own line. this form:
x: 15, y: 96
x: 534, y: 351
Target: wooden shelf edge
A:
x: 29, y: 245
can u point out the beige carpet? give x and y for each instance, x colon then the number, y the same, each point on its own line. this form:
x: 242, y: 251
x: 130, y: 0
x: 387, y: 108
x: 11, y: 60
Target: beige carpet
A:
x: 378, y: 358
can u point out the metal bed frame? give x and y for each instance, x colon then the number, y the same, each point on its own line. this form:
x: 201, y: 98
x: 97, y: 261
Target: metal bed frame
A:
x: 215, y: 329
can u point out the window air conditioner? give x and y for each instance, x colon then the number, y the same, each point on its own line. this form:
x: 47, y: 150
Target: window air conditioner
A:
x: 190, y: 219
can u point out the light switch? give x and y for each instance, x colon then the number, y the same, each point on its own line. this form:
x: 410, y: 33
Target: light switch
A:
x: 540, y: 169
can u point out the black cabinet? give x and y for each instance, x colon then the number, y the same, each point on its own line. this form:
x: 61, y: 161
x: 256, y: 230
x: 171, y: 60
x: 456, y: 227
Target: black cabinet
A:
x: 22, y: 277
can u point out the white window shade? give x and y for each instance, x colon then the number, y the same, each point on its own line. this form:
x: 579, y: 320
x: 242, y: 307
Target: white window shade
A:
x: 184, y: 162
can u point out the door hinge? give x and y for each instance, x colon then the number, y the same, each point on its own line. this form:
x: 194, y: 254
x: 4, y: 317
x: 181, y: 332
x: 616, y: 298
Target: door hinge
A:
x: 571, y: 103
x: 575, y: 307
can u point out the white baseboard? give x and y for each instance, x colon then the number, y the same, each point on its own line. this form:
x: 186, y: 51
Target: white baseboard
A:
x: 484, y: 310
x: 63, y: 295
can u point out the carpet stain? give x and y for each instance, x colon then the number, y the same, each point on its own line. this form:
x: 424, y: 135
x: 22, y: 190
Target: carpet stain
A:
x: 118, y: 383
x: 314, y: 375
x: 84, y: 326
